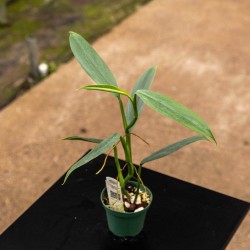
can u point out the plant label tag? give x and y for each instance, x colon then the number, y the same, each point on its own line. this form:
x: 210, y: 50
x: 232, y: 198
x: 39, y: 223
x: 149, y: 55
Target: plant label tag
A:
x: 114, y: 194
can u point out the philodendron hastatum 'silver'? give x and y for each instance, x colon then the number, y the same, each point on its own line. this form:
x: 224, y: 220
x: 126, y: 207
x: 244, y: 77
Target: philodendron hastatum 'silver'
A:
x: 96, y: 68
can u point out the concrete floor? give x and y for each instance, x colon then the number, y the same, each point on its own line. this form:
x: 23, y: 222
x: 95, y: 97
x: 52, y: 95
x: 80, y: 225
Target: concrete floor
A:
x: 203, y: 56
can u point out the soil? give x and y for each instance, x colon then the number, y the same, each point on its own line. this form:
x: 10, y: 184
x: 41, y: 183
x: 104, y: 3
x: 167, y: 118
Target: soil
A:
x: 132, y: 204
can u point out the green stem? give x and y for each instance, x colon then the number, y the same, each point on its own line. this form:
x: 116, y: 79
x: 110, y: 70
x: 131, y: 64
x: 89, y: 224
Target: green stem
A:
x: 138, y: 182
x: 125, y: 148
x: 135, y: 115
x: 130, y: 174
x: 127, y: 152
x: 139, y: 170
x: 122, y: 113
x: 120, y: 175
x: 126, y: 143
x: 118, y: 167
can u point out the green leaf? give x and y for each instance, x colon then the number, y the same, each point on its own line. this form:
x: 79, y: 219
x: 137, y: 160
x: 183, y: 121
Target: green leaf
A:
x: 176, y: 111
x: 106, y: 88
x: 90, y: 61
x: 143, y: 82
x: 172, y: 148
x: 101, y: 148
x: 78, y: 138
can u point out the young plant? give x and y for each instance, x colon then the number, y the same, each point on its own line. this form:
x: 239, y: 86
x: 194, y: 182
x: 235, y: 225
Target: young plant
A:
x: 95, y: 67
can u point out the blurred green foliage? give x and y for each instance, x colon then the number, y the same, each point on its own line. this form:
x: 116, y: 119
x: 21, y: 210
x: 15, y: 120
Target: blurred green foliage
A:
x: 49, y: 21
x: 91, y: 18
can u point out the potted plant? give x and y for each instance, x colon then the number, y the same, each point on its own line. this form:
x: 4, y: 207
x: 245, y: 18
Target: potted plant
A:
x: 126, y: 200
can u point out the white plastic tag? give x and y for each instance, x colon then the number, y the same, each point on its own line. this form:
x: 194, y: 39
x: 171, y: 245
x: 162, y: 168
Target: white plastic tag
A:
x: 114, y: 194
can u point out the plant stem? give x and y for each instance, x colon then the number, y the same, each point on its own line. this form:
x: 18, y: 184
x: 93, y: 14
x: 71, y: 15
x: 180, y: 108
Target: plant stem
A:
x: 138, y: 182
x: 127, y: 152
x: 122, y: 113
x: 126, y: 144
x: 135, y: 115
x: 118, y: 166
x: 119, y: 171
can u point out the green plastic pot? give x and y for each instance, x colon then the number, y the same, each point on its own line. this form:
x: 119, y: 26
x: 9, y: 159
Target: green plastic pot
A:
x: 127, y: 224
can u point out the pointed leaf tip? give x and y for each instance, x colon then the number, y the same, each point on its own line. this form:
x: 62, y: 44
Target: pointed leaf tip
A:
x: 107, y: 88
x: 144, y: 82
x: 172, y: 148
x: 90, y: 60
x: 170, y: 108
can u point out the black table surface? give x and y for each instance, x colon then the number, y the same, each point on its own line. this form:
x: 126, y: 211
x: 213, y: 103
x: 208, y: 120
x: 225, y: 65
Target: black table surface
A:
x: 183, y: 216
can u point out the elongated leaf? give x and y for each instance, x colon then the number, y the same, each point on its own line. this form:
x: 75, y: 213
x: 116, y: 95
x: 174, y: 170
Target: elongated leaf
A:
x: 78, y: 138
x: 106, y: 88
x: 101, y: 148
x: 143, y: 82
x: 90, y: 61
x: 176, y: 111
x: 172, y: 148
